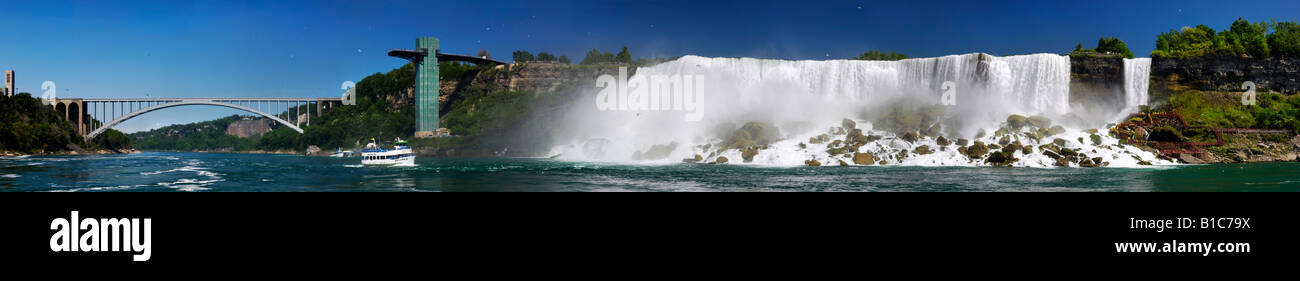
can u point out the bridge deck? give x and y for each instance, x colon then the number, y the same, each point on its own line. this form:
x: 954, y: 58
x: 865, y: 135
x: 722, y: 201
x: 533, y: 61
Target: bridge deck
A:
x: 192, y: 99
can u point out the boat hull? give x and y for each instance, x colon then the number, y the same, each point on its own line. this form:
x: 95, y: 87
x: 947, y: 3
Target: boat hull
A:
x: 388, y: 158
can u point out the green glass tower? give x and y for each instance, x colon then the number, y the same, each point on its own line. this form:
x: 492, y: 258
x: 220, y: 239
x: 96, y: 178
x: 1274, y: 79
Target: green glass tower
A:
x: 426, y: 87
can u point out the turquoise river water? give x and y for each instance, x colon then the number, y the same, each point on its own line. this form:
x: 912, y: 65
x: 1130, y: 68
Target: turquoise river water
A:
x: 168, y: 171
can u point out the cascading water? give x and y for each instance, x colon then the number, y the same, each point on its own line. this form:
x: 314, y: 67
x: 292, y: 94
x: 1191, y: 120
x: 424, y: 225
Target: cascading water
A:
x: 1137, y: 73
x: 807, y: 99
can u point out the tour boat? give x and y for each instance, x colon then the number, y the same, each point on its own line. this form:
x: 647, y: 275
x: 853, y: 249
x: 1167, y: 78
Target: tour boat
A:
x: 399, y: 154
x: 339, y: 152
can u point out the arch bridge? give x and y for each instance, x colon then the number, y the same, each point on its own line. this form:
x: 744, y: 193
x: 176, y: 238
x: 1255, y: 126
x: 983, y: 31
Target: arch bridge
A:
x: 88, y: 115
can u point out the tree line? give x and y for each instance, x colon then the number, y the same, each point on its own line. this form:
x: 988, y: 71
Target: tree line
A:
x: 1242, y: 38
x: 1106, y: 45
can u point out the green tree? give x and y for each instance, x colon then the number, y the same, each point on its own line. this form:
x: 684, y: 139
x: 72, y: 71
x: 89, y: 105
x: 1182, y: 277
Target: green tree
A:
x: 1111, y: 45
x: 1246, y: 38
x: 1285, y: 39
x: 624, y: 56
x: 597, y: 57
x: 522, y: 56
x: 565, y: 60
x: 544, y: 56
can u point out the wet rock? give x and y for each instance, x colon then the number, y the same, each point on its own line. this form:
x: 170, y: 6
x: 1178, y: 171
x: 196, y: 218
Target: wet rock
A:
x: 1058, y: 142
x: 1028, y: 149
x: 720, y: 160
x: 899, y: 144
x: 923, y: 150
x: 835, y: 150
x: 1096, y: 139
x: 855, y: 137
x: 999, y: 158
x: 1087, y: 163
x: 863, y: 159
x: 819, y: 139
x: 1016, y: 121
x: 1140, y: 134
x: 812, y: 162
x: 1004, y: 140
x: 1091, y: 131
x: 1011, y: 147
x: 1039, y: 121
x: 962, y: 142
x: 1062, y: 162
x: 961, y: 149
x: 1190, y: 159
x: 1055, y: 130
x: 980, y: 135
x: 932, y: 131
x: 697, y: 159
x: 748, y: 154
x: 910, y: 137
x: 802, y: 145
x: 942, y: 141
x: 843, y: 164
x: 1052, y: 155
x: 847, y: 124
x: 752, y: 134
x: 656, y: 152
x: 977, y: 150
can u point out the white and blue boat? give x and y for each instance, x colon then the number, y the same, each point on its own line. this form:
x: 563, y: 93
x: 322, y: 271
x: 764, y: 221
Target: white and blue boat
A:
x: 399, y: 154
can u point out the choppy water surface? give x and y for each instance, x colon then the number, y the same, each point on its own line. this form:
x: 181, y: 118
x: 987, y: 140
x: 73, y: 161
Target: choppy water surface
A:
x: 164, y: 171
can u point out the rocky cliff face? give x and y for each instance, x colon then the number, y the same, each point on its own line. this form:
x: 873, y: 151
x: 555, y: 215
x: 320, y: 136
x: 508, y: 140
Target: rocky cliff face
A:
x: 530, y: 77
x: 1097, y: 81
x: 1224, y: 74
x: 248, y: 128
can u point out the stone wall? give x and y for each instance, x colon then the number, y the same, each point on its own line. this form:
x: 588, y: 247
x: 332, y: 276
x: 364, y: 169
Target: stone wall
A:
x: 1223, y: 74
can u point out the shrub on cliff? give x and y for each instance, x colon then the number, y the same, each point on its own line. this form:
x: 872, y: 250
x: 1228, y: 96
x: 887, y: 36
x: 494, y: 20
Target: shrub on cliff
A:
x: 1166, y: 133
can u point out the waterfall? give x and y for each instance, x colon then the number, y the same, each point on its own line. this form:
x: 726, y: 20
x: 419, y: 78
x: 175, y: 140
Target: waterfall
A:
x: 1033, y: 84
x: 804, y: 98
x: 1137, y: 74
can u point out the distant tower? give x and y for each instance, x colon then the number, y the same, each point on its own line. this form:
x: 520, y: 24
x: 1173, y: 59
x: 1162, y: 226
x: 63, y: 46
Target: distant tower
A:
x: 9, y: 83
x: 425, y: 58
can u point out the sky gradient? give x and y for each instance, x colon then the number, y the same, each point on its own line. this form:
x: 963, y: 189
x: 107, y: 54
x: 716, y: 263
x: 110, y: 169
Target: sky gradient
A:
x: 309, y: 48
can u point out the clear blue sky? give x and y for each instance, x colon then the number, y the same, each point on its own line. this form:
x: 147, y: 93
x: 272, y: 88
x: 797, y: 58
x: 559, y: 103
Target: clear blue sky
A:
x: 308, y: 48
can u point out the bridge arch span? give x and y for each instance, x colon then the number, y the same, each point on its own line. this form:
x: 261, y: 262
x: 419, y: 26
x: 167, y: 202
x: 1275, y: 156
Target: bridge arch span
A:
x: 142, y: 111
